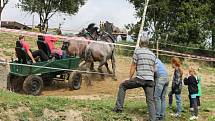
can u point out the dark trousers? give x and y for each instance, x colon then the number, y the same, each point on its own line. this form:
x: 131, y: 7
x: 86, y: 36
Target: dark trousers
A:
x: 41, y: 54
x: 198, y: 101
x: 194, y: 111
x: 148, y: 87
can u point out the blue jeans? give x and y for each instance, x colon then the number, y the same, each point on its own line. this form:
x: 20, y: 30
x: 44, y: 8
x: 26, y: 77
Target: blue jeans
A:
x: 178, y: 101
x: 160, y: 94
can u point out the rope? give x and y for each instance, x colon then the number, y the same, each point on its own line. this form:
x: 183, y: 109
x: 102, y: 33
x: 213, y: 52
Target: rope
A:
x: 101, y: 42
x: 60, y: 69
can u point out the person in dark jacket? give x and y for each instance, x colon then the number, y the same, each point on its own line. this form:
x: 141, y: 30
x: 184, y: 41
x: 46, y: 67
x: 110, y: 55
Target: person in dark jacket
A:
x: 192, y: 83
x: 176, y: 86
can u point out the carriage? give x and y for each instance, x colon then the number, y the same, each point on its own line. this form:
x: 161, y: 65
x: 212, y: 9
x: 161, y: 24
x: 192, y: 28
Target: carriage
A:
x: 32, y: 77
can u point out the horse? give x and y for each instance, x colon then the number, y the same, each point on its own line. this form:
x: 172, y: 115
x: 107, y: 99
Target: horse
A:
x: 77, y: 45
x: 101, y: 52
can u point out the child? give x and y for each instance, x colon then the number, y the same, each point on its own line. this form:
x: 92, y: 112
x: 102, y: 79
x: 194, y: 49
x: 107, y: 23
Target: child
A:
x: 192, y: 83
x: 176, y: 86
x: 199, y: 91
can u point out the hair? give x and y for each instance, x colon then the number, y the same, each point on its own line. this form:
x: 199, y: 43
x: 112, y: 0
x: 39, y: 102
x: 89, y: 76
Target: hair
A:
x: 21, y: 37
x: 144, y: 42
x: 192, y: 70
x: 177, y: 62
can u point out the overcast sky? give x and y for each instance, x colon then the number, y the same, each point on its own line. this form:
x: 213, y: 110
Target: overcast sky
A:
x: 120, y: 12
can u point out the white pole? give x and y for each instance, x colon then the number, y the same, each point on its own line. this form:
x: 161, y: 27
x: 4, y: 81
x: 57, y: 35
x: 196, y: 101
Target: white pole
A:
x: 142, y: 23
x: 33, y: 22
x: 2, y: 3
x: 157, y: 47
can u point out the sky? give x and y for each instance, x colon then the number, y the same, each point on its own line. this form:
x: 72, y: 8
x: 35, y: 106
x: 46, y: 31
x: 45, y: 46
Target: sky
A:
x: 119, y: 12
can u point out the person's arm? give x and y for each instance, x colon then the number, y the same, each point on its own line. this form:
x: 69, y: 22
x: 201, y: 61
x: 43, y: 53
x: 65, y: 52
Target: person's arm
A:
x: 132, y: 69
x: 186, y: 81
x: 31, y: 56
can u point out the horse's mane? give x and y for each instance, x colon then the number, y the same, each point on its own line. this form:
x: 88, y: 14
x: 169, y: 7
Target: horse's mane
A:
x: 91, y: 26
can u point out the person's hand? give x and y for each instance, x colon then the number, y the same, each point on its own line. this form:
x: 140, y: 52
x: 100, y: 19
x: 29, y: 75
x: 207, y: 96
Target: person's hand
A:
x: 34, y: 61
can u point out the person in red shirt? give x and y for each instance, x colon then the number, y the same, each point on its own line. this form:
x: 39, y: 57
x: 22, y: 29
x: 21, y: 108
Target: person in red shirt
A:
x: 51, y: 41
x: 33, y: 54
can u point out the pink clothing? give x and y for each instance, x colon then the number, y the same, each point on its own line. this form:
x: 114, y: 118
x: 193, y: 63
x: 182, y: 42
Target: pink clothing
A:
x: 25, y: 45
x: 50, y: 41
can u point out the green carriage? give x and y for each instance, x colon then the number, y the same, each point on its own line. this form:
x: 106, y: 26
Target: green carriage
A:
x: 32, y: 77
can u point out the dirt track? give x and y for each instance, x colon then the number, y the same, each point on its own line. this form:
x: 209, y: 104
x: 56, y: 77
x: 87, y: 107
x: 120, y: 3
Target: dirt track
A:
x: 108, y: 87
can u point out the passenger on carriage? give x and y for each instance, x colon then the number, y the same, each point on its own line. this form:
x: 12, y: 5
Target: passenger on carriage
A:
x: 34, y: 54
x: 51, y: 44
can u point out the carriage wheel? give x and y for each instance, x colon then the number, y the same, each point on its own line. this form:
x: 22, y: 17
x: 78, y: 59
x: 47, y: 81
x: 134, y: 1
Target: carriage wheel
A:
x: 75, y: 80
x: 33, y: 85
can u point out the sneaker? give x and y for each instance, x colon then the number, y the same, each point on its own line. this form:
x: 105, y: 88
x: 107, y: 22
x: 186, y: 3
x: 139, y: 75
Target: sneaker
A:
x: 177, y: 115
x: 191, y: 109
x: 117, y: 110
x: 194, y: 118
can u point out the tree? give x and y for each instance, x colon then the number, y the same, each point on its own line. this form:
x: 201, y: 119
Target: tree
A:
x: 2, y: 3
x: 47, y: 8
x: 185, y: 22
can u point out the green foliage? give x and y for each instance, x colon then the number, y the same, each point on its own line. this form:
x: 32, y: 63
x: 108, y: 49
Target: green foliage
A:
x: 187, y: 22
x: 47, y: 8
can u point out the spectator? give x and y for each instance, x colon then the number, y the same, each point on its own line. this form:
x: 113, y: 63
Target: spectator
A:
x: 192, y: 83
x: 176, y: 86
x: 161, y: 80
x: 144, y: 65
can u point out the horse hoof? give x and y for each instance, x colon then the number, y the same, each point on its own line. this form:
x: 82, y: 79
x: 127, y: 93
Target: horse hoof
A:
x: 110, y: 72
x: 114, y: 78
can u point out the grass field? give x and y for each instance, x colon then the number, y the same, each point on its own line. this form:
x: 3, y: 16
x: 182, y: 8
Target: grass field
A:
x: 57, y: 105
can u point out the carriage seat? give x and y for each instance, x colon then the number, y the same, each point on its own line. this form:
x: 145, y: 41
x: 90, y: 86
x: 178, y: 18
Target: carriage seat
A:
x: 21, y: 54
x: 42, y: 45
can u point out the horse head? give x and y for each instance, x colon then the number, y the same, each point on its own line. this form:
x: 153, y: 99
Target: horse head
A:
x: 91, y: 32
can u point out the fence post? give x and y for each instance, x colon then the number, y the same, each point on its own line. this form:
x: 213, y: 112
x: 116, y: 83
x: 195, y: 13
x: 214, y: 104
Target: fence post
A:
x: 4, y: 70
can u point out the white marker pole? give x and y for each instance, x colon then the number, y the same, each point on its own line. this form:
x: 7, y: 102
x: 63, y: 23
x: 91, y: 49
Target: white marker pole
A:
x: 2, y: 3
x: 142, y: 23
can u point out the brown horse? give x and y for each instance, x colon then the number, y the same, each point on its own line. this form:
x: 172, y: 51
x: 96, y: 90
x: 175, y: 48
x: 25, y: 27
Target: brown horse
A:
x: 77, y: 45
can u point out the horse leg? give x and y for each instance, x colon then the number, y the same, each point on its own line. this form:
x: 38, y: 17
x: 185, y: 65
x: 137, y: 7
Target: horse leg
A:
x: 100, y: 67
x: 92, y: 67
x: 87, y: 79
x: 113, y: 61
x: 108, y: 70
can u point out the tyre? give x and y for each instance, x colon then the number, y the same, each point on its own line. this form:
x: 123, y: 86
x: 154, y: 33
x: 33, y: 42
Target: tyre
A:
x: 75, y: 80
x: 33, y: 85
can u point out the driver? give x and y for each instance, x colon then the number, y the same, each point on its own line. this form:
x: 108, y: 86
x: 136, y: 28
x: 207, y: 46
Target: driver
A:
x: 33, y: 54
